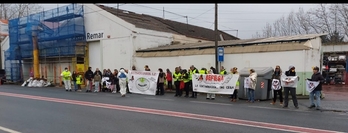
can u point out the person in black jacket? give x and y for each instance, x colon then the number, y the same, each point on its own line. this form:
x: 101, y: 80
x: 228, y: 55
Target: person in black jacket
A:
x: 89, y: 77
x: 292, y: 90
x: 317, y: 91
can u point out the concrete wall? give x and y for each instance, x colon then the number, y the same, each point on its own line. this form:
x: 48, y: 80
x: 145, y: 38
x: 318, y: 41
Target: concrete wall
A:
x: 335, y: 48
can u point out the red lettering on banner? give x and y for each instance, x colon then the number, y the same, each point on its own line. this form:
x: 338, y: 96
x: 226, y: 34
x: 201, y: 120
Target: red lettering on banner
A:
x: 214, y: 77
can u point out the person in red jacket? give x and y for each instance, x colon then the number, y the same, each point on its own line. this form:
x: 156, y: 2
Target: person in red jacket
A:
x: 169, y: 77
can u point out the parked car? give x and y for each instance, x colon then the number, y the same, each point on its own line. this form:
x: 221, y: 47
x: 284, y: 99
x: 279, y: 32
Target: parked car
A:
x: 3, y: 76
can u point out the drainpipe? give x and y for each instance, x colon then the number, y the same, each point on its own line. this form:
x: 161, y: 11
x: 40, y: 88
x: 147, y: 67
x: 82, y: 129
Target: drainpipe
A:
x: 36, y: 57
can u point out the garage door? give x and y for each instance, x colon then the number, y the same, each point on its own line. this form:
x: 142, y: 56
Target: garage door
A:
x: 94, y: 55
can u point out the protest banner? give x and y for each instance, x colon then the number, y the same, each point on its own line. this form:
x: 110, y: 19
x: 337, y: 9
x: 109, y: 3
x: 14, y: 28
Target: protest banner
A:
x: 311, y: 85
x: 214, y: 83
x: 143, y: 82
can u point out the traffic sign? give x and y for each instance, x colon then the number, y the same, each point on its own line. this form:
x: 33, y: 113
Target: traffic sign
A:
x: 220, y: 54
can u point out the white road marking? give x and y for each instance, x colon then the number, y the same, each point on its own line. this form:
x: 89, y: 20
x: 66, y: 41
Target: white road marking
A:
x: 8, y: 130
x: 225, y: 104
x: 153, y: 98
x: 276, y: 108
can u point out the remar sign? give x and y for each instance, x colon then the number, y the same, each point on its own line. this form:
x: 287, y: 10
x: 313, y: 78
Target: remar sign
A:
x: 91, y: 36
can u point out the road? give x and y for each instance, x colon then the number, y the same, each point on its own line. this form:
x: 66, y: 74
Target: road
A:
x: 53, y: 110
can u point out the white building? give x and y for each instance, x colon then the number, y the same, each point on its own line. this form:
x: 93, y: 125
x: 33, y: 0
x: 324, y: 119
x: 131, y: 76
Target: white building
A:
x: 302, y: 51
x: 113, y: 35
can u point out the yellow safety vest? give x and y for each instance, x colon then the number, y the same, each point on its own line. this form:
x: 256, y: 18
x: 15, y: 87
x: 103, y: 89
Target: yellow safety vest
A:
x: 202, y: 72
x: 223, y: 72
x: 191, y: 73
x: 78, y: 80
x: 177, y: 77
x: 66, y: 75
x: 186, y: 79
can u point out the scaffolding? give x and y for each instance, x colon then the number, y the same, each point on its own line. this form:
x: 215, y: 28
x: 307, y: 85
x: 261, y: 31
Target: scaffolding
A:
x: 60, y: 33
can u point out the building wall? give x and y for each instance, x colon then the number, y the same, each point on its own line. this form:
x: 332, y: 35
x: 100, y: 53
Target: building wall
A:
x: 5, y: 44
x: 335, y: 48
x: 303, y: 60
x: 118, y: 50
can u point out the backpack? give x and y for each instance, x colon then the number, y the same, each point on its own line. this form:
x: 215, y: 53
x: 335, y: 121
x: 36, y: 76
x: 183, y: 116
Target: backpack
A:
x: 122, y: 75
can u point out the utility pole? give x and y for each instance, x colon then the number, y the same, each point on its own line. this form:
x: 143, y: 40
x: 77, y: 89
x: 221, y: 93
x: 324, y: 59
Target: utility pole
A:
x: 216, y: 38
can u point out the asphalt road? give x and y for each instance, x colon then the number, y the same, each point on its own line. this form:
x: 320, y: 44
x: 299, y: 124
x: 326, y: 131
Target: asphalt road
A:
x: 53, y: 110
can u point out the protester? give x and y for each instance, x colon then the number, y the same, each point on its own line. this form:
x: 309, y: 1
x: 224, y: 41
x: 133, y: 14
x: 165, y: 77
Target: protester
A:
x: 73, y: 79
x: 116, y: 82
x: 78, y: 82
x: 177, y: 80
x: 89, y: 77
x: 147, y: 68
x: 211, y: 95
x: 251, y: 89
x: 317, y: 91
x: 292, y: 90
x: 160, y: 82
x: 97, y: 80
x: 185, y: 79
x: 66, y: 79
x: 277, y: 75
x: 169, y: 77
x: 193, y: 70
x: 234, y: 96
x: 122, y: 75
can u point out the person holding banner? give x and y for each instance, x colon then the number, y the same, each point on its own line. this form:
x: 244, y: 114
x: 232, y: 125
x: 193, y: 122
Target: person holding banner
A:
x: 211, y: 95
x: 291, y: 72
x: 316, y: 86
x: 234, y: 96
x: 276, y: 85
x: 177, y: 80
x: 251, y: 89
x: 160, y: 82
x: 193, y: 70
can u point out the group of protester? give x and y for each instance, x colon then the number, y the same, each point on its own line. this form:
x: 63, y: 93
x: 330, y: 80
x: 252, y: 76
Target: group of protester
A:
x: 182, y: 79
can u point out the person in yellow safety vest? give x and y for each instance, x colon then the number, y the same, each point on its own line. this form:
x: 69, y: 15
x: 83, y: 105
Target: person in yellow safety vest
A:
x: 66, y: 75
x: 211, y: 95
x: 234, y: 96
x: 185, y: 77
x: 78, y: 81
x: 177, y: 80
x: 193, y: 70
x: 223, y: 71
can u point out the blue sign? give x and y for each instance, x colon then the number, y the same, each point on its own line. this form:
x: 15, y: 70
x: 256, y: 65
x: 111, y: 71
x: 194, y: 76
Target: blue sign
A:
x: 220, y: 54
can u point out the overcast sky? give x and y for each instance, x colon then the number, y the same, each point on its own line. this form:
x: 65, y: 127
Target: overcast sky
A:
x: 246, y: 18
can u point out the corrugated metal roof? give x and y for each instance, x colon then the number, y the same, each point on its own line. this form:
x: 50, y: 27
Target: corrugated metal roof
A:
x: 241, y: 42
x: 291, y: 46
x: 165, y: 25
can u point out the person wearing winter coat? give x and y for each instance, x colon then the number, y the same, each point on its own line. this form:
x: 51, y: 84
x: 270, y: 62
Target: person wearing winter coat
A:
x: 211, y: 95
x: 234, y: 96
x: 292, y: 90
x: 73, y: 79
x: 160, y: 83
x: 116, y: 82
x: 89, y: 78
x: 97, y: 80
x: 317, y: 91
x: 123, y: 76
x: 277, y: 75
x: 251, y: 90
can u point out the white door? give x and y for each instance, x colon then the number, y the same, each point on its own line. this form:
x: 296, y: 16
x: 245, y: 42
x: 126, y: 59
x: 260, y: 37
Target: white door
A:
x: 94, y: 55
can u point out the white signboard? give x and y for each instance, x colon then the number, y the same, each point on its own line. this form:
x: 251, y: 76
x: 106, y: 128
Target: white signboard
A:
x: 92, y: 36
x: 143, y: 82
x: 311, y: 85
x: 214, y: 83
x: 289, y: 81
x: 247, y: 82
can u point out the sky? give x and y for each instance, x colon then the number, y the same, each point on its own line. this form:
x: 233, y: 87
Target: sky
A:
x: 240, y: 20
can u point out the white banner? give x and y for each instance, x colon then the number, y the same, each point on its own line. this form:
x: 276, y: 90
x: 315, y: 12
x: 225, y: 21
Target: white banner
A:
x: 247, y: 82
x: 143, y: 82
x: 276, y: 84
x: 289, y: 81
x: 311, y: 85
x: 214, y: 83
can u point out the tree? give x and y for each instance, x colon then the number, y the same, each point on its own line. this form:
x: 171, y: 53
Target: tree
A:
x: 11, y: 11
